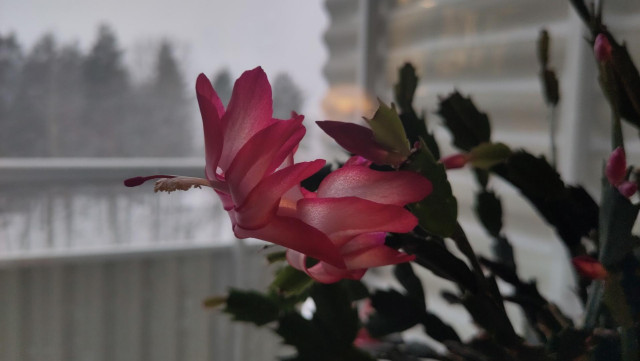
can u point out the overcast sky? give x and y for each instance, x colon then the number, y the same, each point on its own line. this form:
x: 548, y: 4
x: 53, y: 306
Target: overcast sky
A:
x: 280, y: 35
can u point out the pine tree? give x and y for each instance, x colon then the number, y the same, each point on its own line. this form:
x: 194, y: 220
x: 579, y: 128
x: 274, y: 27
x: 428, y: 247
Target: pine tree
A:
x: 287, y: 96
x: 167, y: 119
x: 11, y: 59
x: 107, y: 112
x: 222, y: 84
x: 32, y: 106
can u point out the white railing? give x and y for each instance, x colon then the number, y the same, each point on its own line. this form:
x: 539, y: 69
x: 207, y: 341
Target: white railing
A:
x: 77, y: 205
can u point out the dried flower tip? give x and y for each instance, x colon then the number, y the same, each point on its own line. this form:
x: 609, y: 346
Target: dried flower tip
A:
x: 616, y: 169
x: 602, y: 48
x: 179, y: 184
x: 136, y: 181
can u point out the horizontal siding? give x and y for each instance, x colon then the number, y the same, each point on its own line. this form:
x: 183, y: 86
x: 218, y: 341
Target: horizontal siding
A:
x: 140, y: 308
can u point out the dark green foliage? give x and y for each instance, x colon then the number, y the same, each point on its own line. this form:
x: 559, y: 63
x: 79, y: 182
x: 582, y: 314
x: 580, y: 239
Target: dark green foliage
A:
x: 437, y: 329
x: 489, y: 314
x: 290, y: 281
x: 550, y: 87
x: 274, y: 257
x: 329, y: 335
x: 438, y: 212
x: 617, y: 216
x: 395, y: 312
x: 434, y: 256
x: 415, y: 126
x: 543, y: 317
x: 489, y: 211
x: 569, y: 209
x: 251, y: 306
x: 568, y: 344
x: 406, y: 87
x: 467, y: 124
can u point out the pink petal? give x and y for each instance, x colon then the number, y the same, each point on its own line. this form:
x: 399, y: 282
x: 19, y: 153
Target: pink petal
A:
x: 363, y: 242
x: 263, y: 200
x: 211, y: 109
x: 249, y: 111
x: 359, y: 140
x: 322, y: 271
x: 628, y: 188
x: 398, y: 188
x: 261, y: 155
x: 297, y: 235
x: 357, y: 160
x: 344, y: 218
x: 376, y: 257
x: 616, y: 169
x: 227, y: 202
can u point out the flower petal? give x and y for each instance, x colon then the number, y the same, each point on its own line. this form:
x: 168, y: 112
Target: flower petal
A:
x: 341, y: 219
x: 359, y: 140
x: 397, y: 188
x: 376, y: 257
x: 249, y: 111
x: 294, y: 234
x: 363, y: 242
x: 322, y: 271
x: 261, y: 155
x: 263, y: 200
x: 211, y: 110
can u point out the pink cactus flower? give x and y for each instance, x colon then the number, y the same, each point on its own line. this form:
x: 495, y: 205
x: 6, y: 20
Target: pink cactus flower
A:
x: 602, y: 48
x: 355, y: 207
x: 249, y: 163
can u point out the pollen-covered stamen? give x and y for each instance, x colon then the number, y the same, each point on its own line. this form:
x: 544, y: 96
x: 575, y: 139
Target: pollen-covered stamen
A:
x: 136, y: 181
x: 174, y: 183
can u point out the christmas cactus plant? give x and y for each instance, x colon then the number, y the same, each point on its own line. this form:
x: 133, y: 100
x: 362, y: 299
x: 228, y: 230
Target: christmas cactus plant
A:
x: 391, y: 204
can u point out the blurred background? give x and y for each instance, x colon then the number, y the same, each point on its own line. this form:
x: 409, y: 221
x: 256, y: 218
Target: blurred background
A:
x: 93, y: 92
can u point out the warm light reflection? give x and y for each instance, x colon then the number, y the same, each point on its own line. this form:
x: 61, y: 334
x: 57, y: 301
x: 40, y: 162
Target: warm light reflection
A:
x: 428, y: 4
x: 347, y: 101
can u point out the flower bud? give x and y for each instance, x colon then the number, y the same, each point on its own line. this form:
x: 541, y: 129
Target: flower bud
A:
x: 589, y: 267
x: 628, y: 189
x: 455, y: 161
x: 616, y: 169
x: 602, y: 48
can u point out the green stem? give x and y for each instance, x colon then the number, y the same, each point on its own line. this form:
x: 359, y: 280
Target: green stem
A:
x: 594, y: 303
x: 630, y: 349
x: 552, y: 135
x: 616, y: 131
